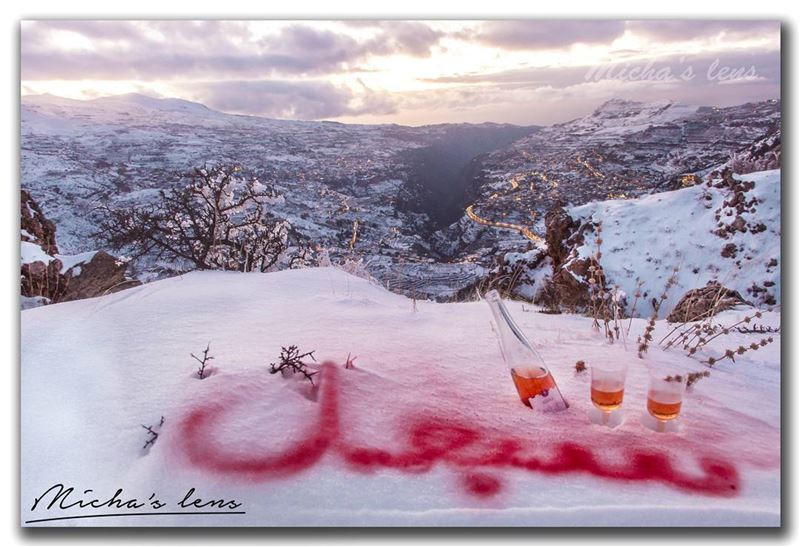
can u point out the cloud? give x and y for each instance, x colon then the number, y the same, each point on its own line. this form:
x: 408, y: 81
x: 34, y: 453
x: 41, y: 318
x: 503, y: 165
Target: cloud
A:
x: 555, y: 94
x: 173, y: 50
x: 765, y: 63
x: 304, y: 100
x: 544, y: 34
x: 281, y: 69
x: 404, y: 37
x: 95, y: 30
x: 684, y: 30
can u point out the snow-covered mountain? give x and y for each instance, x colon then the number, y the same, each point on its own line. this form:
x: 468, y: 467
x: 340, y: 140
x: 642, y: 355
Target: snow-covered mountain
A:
x: 386, y: 190
x: 618, y: 118
x: 622, y: 150
x: 78, y: 155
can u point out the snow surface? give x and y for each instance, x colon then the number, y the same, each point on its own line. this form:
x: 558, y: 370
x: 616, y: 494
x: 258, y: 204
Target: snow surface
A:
x: 70, y: 261
x: 645, y: 238
x: 93, y: 371
x: 31, y: 252
x: 617, y: 118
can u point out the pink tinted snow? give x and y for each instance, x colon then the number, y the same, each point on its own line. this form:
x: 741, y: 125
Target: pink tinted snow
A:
x: 364, y: 422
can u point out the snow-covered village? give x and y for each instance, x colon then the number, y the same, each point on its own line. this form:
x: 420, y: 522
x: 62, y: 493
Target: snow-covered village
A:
x: 405, y: 281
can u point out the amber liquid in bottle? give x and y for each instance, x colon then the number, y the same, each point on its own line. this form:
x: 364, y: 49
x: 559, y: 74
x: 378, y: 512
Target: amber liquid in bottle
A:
x: 607, y: 400
x: 661, y: 410
x: 532, y: 382
x: 535, y: 384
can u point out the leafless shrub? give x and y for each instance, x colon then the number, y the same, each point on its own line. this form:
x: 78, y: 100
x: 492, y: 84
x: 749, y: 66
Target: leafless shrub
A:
x: 201, y: 371
x: 152, y: 433
x: 213, y: 219
x: 547, y: 297
x: 291, y: 362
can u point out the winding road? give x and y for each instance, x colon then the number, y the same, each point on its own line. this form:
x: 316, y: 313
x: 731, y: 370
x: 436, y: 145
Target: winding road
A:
x: 523, y: 230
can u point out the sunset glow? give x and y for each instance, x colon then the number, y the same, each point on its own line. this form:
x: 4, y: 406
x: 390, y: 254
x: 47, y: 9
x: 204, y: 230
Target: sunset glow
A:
x: 411, y: 72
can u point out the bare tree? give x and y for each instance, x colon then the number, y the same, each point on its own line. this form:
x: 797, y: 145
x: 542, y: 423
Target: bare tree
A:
x: 214, y: 218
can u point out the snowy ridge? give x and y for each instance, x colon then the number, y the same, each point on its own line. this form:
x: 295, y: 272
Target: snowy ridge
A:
x: 122, y: 150
x: 617, y: 118
x: 93, y: 370
x: 647, y: 237
x: 623, y: 150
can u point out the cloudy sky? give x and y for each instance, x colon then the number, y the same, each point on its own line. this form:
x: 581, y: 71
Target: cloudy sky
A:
x: 409, y: 72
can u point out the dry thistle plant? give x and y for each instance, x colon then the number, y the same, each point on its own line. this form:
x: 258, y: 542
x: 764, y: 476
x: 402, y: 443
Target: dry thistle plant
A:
x: 596, y: 294
x: 647, y: 336
x: 606, y: 303
x: 690, y: 378
x: 758, y: 329
x: 688, y: 329
x: 693, y: 377
x: 616, y: 296
x: 702, y: 336
x: 636, y: 296
x: 603, y: 302
x: 594, y: 297
x: 731, y: 353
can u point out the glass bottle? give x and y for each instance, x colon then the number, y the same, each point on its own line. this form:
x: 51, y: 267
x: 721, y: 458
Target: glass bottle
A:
x: 535, y: 384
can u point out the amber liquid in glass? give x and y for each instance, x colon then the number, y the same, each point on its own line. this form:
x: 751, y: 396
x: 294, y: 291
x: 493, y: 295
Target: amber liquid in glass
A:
x: 532, y: 382
x: 607, y: 400
x: 661, y: 410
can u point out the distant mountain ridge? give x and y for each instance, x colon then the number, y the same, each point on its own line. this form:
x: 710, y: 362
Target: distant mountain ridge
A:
x: 384, y: 179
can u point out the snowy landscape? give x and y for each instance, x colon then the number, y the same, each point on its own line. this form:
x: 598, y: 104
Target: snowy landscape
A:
x: 428, y: 380
x: 234, y: 319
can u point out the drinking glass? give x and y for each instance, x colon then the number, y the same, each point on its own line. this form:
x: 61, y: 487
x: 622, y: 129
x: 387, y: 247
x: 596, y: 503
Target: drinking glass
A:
x: 608, y: 387
x: 665, y: 396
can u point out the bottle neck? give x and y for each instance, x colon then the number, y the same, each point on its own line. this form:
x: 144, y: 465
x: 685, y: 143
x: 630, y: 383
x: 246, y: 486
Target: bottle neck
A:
x: 513, y: 343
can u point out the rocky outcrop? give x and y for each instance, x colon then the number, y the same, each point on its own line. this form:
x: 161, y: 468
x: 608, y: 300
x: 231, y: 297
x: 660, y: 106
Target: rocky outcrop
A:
x: 569, y: 284
x: 100, y: 275
x: 515, y: 274
x: 705, y: 302
x: 560, y: 229
x: 43, y: 276
x: 763, y: 154
x: 35, y: 228
x: 40, y: 271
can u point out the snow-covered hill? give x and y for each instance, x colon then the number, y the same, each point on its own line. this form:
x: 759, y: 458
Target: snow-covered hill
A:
x: 623, y: 149
x: 80, y: 155
x: 77, y: 155
x: 644, y: 239
x: 425, y: 430
x: 617, y: 118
